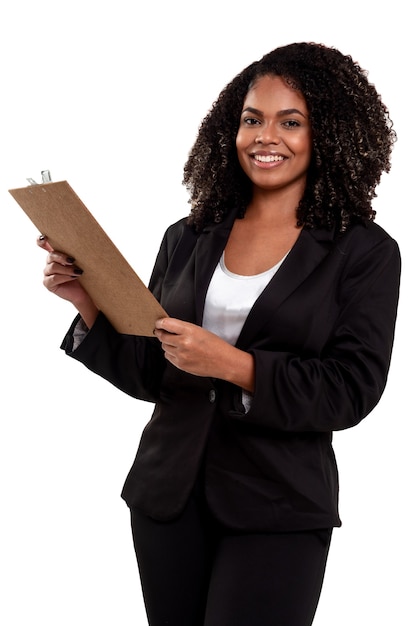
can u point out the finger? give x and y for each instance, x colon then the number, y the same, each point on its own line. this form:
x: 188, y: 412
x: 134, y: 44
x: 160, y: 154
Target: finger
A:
x: 43, y: 243
x: 163, y: 336
x: 54, y: 281
x: 170, y: 325
x: 61, y: 258
x: 61, y: 268
x: 170, y: 341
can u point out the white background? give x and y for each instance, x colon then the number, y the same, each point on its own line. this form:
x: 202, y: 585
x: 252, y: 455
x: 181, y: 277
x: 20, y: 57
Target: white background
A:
x: 109, y: 95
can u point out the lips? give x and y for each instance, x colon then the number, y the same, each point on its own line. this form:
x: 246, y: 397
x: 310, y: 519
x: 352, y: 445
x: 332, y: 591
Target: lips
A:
x: 268, y: 158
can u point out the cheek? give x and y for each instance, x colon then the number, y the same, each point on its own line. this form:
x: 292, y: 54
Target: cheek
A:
x: 245, y: 137
x: 303, y: 147
x: 241, y: 145
x: 239, y: 141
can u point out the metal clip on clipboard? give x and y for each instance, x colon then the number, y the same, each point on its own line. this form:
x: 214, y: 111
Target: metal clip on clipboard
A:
x: 46, y: 178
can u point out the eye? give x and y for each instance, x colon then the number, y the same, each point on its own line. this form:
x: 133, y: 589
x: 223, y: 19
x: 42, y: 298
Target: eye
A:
x: 250, y: 121
x: 290, y: 124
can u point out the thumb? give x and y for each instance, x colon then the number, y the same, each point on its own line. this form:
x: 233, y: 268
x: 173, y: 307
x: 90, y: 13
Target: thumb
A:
x: 43, y: 243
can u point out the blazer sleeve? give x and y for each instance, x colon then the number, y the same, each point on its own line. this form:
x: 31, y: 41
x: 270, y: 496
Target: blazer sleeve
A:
x: 340, y: 386
x: 135, y: 365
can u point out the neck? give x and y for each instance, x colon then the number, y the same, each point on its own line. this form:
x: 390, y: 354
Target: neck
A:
x: 274, y: 207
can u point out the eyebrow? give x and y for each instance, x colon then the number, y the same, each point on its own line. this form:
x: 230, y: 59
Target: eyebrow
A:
x: 282, y: 113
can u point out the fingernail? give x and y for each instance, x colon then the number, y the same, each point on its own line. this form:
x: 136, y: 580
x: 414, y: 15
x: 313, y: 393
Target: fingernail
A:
x: 70, y: 259
x: 78, y: 271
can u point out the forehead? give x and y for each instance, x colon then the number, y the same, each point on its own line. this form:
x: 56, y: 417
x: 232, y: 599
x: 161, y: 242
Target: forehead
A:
x: 274, y: 91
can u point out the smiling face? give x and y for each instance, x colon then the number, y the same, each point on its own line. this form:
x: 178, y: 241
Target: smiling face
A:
x: 274, y: 139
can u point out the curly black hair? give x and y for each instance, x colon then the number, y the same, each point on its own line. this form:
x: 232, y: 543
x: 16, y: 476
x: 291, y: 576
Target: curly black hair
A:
x: 352, y: 137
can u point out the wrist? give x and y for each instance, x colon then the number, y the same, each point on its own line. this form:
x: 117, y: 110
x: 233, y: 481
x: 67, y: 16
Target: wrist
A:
x: 240, y: 369
x: 88, y: 312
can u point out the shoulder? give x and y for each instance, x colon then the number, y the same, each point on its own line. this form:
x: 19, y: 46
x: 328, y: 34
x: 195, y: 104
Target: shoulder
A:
x: 176, y: 233
x: 368, y: 250
x: 357, y: 241
x: 183, y: 229
x: 178, y: 226
x: 179, y: 229
x: 362, y: 239
x: 371, y: 233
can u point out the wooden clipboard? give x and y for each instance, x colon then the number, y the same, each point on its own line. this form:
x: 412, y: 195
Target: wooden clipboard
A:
x: 57, y: 212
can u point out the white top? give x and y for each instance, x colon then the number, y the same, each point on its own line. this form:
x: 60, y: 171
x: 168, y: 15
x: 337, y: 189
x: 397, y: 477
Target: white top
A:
x: 230, y: 298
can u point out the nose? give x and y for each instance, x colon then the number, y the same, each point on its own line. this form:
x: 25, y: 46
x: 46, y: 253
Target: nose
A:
x: 268, y: 134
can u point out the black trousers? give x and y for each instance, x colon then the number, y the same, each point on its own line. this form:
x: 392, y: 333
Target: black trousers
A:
x: 196, y: 573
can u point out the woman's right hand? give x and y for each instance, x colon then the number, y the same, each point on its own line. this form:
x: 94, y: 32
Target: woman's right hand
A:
x: 61, y: 275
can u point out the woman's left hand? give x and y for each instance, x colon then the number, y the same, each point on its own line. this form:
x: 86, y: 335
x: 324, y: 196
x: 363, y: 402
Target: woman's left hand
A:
x: 197, y: 351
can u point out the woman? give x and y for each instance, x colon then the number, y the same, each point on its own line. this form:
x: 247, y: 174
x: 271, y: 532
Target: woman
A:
x: 281, y: 292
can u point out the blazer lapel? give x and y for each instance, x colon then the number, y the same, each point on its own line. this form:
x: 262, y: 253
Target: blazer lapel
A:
x: 209, y: 248
x: 309, y: 250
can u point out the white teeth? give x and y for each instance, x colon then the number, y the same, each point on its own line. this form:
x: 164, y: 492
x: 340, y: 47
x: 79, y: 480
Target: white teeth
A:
x: 268, y: 159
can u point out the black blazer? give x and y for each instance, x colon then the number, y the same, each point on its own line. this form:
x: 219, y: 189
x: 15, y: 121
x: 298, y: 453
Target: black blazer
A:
x: 321, y: 335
